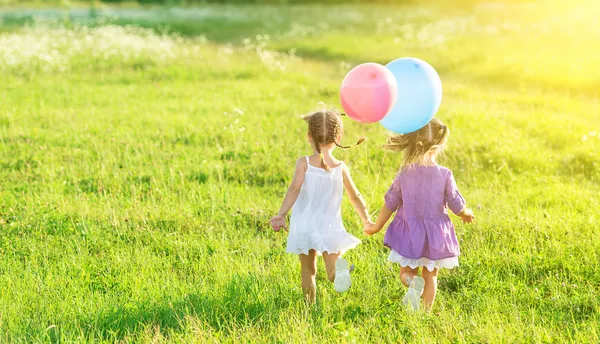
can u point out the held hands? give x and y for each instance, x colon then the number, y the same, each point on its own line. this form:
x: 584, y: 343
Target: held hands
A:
x: 277, y: 222
x: 369, y: 228
x: 466, y: 215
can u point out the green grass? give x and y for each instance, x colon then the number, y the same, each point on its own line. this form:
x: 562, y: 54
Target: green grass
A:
x: 138, y: 172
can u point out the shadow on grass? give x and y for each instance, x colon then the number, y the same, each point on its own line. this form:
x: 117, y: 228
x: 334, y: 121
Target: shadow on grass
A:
x: 241, y: 302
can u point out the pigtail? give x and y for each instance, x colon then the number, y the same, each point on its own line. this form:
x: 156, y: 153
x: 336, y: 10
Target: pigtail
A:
x: 443, y: 129
x: 339, y: 145
x: 313, y: 128
x: 324, y: 127
x: 323, y: 163
x: 317, y: 145
x: 338, y: 128
x: 361, y: 140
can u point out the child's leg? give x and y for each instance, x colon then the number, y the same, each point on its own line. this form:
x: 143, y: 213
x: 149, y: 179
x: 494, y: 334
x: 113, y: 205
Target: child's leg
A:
x: 338, y: 271
x: 309, y: 271
x: 407, y: 274
x: 410, y: 278
x: 430, y: 289
x: 330, y: 259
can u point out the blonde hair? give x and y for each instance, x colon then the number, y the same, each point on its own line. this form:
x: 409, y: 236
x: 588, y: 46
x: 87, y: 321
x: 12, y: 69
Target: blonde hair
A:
x: 419, y: 144
x: 324, y: 127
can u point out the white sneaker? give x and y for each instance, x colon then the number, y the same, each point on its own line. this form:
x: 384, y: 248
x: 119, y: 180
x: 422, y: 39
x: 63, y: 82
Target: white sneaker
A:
x: 342, y: 281
x: 412, y: 297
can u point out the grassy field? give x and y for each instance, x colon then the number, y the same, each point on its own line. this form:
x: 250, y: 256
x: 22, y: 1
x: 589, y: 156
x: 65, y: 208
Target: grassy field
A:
x: 139, y: 167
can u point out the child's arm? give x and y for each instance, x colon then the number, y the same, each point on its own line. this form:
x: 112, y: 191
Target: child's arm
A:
x: 278, y: 221
x: 456, y: 202
x: 384, y: 216
x: 393, y: 201
x: 466, y: 215
x: 355, y: 197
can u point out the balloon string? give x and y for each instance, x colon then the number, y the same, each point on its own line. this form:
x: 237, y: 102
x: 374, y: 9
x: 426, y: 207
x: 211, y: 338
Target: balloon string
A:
x: 370, y: 172
x: 378, y: 175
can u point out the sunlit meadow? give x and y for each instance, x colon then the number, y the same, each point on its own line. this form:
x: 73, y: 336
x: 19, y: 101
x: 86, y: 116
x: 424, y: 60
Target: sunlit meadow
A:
x: 143, y: 149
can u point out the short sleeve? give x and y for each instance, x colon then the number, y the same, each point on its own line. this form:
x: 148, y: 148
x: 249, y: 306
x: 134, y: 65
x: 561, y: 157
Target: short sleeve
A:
x: 393, y: 197
x: 453, y: 198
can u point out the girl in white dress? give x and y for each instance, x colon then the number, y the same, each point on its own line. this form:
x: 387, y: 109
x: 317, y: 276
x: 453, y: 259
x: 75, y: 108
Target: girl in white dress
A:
x: 316, y: 197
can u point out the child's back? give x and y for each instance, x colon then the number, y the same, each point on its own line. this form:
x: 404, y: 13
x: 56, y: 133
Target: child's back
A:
x: 315, y: 194
x: 421, y: 234
x: 317, y: 213
x: 421, y: 227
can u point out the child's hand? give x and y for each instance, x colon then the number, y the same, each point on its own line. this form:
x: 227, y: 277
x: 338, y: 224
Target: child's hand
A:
x: 278, y: 222
x: 467, y: 215
x: 369, y: 228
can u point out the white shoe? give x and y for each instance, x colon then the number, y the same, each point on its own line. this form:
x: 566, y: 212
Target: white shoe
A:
x: 342, y: 281
x: 412, y: 297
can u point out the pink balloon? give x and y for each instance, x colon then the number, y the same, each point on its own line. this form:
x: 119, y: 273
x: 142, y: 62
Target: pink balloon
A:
x: 368, y: 92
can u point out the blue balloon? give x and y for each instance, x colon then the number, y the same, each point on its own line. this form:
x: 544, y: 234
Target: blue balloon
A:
x: 419, y: 95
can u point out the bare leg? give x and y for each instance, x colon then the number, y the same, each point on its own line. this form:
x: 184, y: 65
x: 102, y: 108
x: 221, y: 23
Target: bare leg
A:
x: 407, y: 274
x: 309, y: 271
x: 329, y: 259
x: 430, y: 289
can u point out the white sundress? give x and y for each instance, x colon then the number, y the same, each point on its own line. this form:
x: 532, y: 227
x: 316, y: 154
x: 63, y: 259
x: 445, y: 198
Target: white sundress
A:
x: 316, y: 222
